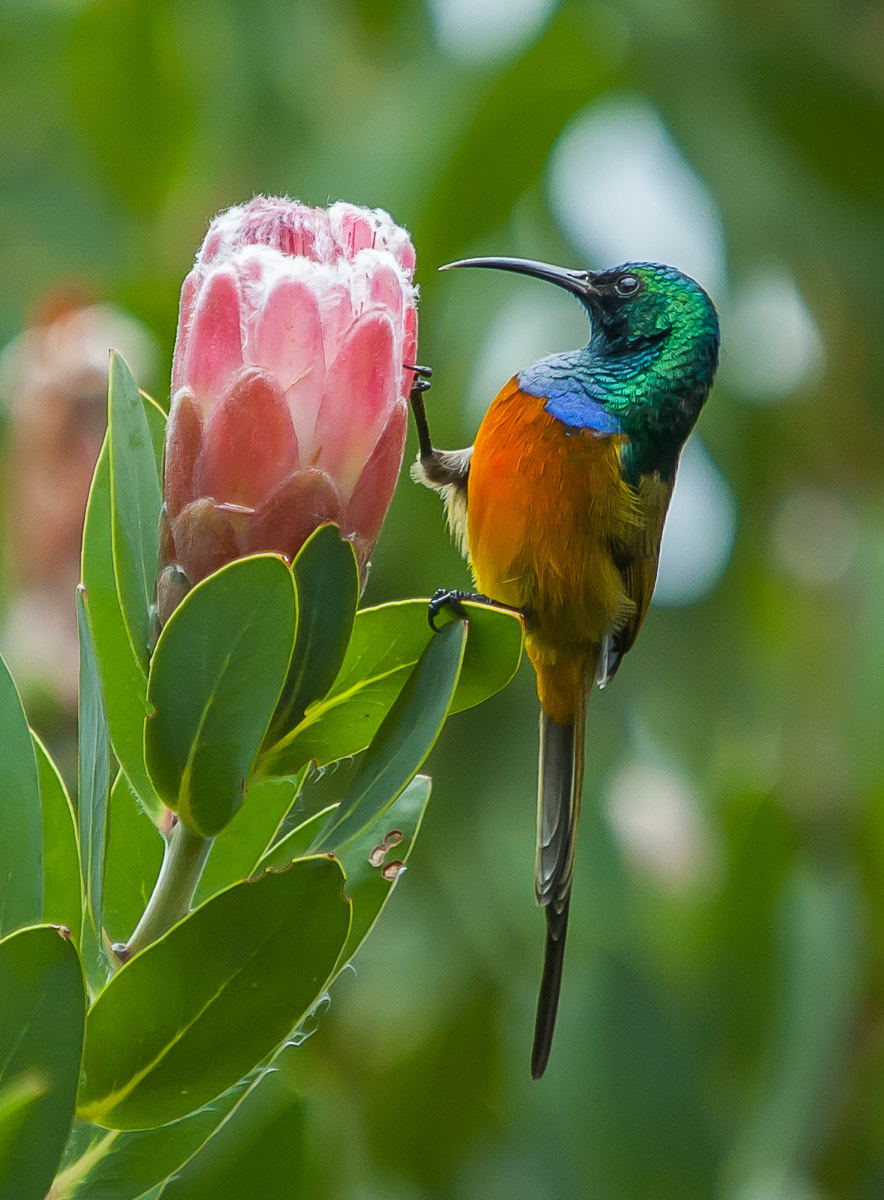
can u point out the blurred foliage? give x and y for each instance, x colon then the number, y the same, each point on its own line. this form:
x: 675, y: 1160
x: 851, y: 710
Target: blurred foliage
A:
x: 722, y: 1032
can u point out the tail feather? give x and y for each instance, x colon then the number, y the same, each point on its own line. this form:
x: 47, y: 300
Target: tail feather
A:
x: 550, y: 986
x: 558, y: 810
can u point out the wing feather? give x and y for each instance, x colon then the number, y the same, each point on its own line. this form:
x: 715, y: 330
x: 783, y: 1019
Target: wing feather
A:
x: 636, y: 553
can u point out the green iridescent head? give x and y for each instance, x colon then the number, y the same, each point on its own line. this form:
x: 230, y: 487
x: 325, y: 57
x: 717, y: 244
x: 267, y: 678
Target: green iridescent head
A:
x: 634, y: 308
x: 650, y: 359
x: 640, y: 305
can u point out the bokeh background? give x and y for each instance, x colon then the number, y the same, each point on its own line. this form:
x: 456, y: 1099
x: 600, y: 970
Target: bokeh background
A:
x: 721, y: 1031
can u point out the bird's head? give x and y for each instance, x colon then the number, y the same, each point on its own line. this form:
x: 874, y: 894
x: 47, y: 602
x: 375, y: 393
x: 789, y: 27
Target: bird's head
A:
x: 633, y: 308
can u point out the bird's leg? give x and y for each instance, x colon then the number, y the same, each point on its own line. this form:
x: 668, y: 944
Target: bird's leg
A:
x: 444, y: 469
x: 453, y: 599
x: 420, y: 384
x: 438, y: 468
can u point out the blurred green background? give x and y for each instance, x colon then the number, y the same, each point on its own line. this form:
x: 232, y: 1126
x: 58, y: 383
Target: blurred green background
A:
x: 721, y: 1030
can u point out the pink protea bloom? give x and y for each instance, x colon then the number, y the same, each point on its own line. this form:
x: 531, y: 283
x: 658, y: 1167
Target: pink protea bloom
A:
x: 288, y: 385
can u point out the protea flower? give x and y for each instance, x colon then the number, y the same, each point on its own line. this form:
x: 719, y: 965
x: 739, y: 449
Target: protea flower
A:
x: 288, y: 385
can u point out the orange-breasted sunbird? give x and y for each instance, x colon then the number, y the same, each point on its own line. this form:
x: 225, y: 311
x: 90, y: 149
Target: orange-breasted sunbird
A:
x: 559, y: 506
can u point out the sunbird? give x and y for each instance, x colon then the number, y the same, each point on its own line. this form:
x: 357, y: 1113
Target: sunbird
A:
x: 559, y: 506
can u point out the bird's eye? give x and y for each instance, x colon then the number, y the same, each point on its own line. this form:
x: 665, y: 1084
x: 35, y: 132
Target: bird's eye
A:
x: 627, y: 285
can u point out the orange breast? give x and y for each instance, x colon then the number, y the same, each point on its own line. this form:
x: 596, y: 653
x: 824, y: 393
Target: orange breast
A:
x: 546, y: 501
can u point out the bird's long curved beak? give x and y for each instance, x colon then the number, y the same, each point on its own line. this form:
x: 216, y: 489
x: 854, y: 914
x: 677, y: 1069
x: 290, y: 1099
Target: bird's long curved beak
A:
x: 580, y: 283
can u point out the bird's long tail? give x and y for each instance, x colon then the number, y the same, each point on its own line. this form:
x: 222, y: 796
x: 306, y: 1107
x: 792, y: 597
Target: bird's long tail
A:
x: 558, y: 808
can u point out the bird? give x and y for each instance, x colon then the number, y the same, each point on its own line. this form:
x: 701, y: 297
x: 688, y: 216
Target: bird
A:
x: 559, y: 506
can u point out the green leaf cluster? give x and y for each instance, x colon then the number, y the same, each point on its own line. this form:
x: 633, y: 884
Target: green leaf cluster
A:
x: 162, y: 948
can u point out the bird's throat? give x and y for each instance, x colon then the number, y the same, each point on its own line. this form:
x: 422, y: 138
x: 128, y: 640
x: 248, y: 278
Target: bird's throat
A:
x: 652, y: 394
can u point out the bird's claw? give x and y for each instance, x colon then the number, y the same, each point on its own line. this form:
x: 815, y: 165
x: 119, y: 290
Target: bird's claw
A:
x: 421, y: 381
x: 446, y: 598
x: 453, y: 598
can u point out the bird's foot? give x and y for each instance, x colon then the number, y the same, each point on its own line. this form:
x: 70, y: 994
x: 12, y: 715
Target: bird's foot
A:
x: 446, y: 598
x: 453, y: 598
x: 419, y: 385
x: 422, y: 377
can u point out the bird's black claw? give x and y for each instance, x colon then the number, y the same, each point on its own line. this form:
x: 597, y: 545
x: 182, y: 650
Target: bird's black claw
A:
x: 446, y: 598
x: 453, y: 599
x: 421, y: 381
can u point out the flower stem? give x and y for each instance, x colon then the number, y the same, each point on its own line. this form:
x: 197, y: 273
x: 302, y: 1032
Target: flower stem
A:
x: 183, y: 863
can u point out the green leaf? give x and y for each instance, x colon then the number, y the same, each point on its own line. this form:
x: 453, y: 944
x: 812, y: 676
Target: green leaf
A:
x: 93, y: 776
x: 327, y: 585
x: 62, y: 896
x: 124, y: 1165
x: 191, y: 1014
x: 42, y: 1013
x: 404, y: 739
x: 21, y: 827
x: 123, y: 678
x: 239, y: 845
x: 132, y: 864
x: 135, y: 504
x: 16, y: 1097
x: 493, y: 653
x: 296, y: 843
x: 258, y: 1151
x: 387, y: 641
x: 214, y: 681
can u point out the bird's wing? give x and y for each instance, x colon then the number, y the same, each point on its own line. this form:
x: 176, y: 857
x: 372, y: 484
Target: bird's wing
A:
x: 636, y: 553
x: 447, y: 472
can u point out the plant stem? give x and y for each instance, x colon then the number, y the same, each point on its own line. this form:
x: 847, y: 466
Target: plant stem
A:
x: 183, y: 863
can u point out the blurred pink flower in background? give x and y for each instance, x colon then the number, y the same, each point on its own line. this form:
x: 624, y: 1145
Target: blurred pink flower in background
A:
x: 53, y: 386
x: 288, y: 386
